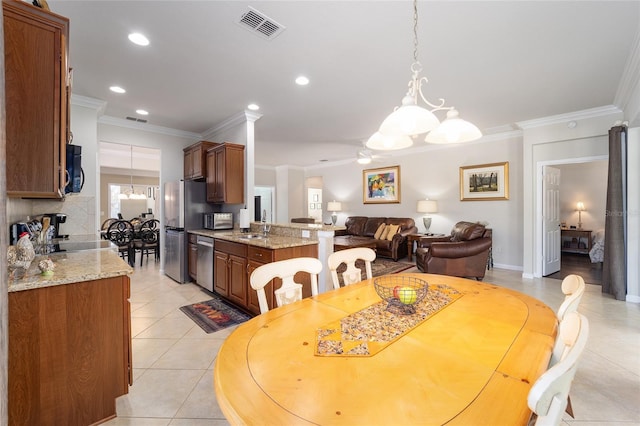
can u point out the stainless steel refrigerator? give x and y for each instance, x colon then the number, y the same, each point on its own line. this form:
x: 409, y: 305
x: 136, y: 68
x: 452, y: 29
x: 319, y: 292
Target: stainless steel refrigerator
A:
x: 184, y: 204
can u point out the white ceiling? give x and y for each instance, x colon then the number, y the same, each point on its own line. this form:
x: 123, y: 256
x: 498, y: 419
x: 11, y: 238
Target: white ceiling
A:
x: 497, y: 62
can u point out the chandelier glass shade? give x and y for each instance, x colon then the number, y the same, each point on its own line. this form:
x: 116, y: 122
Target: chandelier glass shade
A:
x: 411, y: 119
x: 453, y: 130
x: 131, y: 195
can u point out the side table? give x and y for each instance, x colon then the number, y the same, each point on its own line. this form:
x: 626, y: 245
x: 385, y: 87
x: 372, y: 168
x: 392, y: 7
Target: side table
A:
x: 412, y: 238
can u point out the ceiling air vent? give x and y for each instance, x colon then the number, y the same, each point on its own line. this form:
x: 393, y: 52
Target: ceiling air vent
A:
x: 139, y: 120
x: 260, y: 24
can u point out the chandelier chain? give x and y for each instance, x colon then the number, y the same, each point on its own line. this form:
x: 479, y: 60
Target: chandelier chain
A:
x: 415, y: 30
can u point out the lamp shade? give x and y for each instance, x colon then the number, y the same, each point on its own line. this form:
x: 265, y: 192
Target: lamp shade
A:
x: 410, y: 120
x: 427, y: 206
x: 385, y: 142
x: 334, y: 206
x: 580, y: 206
x: 453, y: 130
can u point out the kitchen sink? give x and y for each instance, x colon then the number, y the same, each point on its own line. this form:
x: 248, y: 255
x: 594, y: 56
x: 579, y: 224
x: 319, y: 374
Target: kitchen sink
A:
x: 252, y: 236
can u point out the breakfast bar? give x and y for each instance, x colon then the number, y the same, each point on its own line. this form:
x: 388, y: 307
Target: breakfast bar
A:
x: 474, y: 357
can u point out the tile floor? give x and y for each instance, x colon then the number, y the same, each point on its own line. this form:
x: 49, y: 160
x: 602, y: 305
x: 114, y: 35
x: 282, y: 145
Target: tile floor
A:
x: 173, y: 358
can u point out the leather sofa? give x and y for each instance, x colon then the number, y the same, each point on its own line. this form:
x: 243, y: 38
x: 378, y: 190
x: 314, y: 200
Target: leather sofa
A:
x: 363, y: 228
x: 464, y: 253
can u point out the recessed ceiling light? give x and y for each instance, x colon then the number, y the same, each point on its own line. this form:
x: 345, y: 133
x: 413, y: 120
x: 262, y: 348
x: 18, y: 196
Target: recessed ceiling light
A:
x: 253, y: 107
x: 142, y: 112
x: 117, y: 89
x: 302, y: 80
x: 138, y: 39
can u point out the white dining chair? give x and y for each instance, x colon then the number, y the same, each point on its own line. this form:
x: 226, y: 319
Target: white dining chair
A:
x: 349, y: 257
x: 549, y: 395
x: 573, y: 287
x: 290, y: 291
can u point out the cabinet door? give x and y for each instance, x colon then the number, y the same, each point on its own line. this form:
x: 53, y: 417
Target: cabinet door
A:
x: 220, y: 273
x: 238, y: 280
x: 35, y: 52
x: 219, y: 193
x: 188, y: 164
x: 252, y: 296
x: 211, y: 176
x: 193, y: 261
x: 196, y: 163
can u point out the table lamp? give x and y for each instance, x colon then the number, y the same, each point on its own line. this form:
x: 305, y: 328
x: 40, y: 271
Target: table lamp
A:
x: 334, y: 206
x: 580, y: 208
x: 427, y: 206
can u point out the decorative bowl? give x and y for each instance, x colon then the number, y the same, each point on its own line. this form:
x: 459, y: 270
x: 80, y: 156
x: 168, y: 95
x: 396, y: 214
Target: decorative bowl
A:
x: 401, y: 292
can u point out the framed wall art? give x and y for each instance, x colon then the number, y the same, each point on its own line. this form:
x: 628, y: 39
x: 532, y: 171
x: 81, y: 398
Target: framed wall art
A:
x: 488, y: 182
x: 381, y: 185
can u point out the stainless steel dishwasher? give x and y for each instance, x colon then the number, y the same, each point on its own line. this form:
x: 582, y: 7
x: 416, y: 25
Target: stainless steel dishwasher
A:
x: 205, y: 262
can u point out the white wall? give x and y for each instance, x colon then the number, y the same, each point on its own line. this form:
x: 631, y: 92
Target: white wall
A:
x: 433, y: 172
x: 586, y: 182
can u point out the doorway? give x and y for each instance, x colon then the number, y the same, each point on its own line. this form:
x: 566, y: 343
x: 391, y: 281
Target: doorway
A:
x: 582, y: 180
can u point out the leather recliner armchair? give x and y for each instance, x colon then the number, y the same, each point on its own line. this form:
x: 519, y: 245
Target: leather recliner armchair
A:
x: 464, y: 253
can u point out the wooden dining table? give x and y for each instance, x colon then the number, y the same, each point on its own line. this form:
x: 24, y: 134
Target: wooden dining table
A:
x: 471, y: 362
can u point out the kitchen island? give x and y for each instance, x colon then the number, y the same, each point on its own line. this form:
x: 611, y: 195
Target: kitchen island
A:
x: 69, y: 339
x: 237, y: 254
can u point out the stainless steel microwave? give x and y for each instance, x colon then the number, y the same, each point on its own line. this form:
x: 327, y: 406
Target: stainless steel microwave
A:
x: 217, y: 221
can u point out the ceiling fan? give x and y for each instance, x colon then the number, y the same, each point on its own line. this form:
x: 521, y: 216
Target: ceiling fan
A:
x: 366, y: 155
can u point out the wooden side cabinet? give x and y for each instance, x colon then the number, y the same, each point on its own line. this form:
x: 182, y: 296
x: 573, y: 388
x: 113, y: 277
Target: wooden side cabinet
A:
x: 37, y: 100
x: 192, y: 256
x: 225, y: 174
x: 195, y: 164
x: 70, y: 352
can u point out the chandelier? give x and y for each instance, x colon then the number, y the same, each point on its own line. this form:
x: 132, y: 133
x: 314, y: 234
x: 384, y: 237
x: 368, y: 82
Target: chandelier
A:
x: 131, y: 195
x: 411, y: 119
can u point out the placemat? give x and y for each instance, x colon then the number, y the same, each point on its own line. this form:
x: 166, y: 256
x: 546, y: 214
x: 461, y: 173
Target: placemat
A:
x: 368, y: 331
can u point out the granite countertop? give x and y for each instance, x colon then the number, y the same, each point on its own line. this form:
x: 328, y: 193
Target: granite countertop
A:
x: 271, y: 242
x: 72, y: 267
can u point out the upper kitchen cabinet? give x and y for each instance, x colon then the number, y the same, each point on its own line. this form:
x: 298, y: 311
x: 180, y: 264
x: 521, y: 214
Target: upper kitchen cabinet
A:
x: 37, y: 100
x: 195, y: 164
x: 225, y: 174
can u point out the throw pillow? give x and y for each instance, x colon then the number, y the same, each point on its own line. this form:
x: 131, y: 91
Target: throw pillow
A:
x: 383, y: 236
x: 393, y: 230
x: 379, y: 231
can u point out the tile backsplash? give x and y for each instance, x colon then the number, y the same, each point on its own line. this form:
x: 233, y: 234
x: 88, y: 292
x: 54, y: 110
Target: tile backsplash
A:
x: 80, y: 211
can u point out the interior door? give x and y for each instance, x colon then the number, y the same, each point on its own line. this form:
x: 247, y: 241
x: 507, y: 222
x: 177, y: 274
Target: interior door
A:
x: 551, y: 220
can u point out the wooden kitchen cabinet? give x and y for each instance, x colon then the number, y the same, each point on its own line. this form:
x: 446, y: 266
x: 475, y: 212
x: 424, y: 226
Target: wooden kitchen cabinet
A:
x: 225, y: 174
x: 37, y: 100
x: 238, y: 261
x: 195, y: 163
x: 230, y: 270
x: 70, y: 352
x: 192, y: 256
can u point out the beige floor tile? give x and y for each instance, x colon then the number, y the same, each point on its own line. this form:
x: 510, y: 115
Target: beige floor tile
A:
x: 168, y: 328
x: 148, y: 351
x: 137, y: 421
x: 159, y: 393
x: 202, y: 404
x: 140, y: 324
x: 190, y: 354
x: 198, y: 422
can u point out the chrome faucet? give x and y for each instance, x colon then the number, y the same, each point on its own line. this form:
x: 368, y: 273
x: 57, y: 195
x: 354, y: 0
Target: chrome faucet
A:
x: 265, y: 226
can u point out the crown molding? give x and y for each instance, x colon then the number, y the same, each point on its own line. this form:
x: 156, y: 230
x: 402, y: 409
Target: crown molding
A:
x: 84, y: 101
x: 121, y: 122
x: 234, y: 120
x: 570, y: 116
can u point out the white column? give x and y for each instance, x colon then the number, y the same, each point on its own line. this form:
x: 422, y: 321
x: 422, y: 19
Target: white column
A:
x: 325, y: 248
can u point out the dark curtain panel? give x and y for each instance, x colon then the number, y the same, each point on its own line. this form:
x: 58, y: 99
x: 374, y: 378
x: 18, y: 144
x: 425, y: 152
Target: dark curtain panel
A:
x: 614, y: 268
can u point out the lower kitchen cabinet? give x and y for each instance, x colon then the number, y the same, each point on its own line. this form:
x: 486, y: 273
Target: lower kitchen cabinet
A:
x: 70, y: 352
x: 234, y: 263
x: 230, y: 270
x: 192, y: 257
